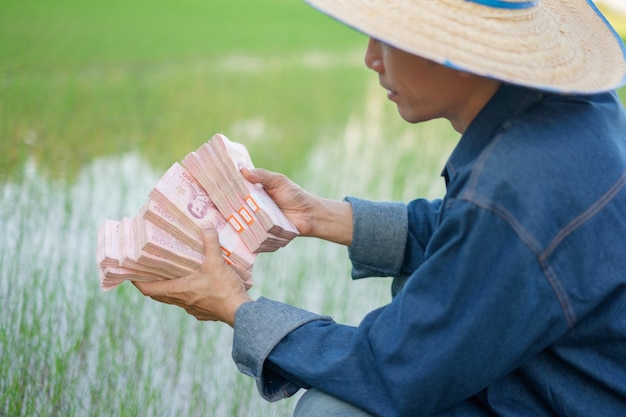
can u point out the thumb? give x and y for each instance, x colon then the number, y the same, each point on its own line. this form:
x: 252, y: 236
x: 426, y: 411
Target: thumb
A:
x: 270, y: 180
x: 254, y: 175
x: 260, y: 176
x: 212, y: 251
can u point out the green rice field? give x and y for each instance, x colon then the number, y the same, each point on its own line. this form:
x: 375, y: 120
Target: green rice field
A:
x: 97, y: 100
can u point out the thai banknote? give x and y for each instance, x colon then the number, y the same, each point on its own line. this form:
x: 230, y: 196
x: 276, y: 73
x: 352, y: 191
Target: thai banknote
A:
x: 163, y: 239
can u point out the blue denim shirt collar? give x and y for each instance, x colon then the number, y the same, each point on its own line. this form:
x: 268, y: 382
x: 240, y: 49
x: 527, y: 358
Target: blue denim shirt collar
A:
x: 508, y: 102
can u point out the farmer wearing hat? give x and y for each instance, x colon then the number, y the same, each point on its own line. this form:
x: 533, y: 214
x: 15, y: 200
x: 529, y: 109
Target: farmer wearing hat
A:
x: 510, y: 292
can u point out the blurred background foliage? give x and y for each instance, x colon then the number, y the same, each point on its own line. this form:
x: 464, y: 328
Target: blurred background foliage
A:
x: 80, y: 80
x: 85, y: 79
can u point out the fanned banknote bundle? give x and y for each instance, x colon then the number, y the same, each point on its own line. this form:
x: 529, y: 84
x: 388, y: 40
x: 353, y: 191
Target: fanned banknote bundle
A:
x: 163, y: 240
x: 246, y: 206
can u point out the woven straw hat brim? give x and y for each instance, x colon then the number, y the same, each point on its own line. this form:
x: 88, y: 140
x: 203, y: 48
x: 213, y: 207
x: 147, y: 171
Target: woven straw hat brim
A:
x: 557, y: 45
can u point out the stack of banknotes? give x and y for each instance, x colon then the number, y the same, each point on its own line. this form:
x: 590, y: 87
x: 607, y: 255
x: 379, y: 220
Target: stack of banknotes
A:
x: 163, y: 240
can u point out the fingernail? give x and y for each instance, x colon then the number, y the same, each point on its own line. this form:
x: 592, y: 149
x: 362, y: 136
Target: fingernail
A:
x: 207, y: 225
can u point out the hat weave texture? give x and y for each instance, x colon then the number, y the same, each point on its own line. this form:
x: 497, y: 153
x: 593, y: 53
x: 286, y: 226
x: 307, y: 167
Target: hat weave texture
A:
x: 556, y: 45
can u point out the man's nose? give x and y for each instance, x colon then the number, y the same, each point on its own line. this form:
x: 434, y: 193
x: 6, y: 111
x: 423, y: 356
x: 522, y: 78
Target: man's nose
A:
x: 373, y: 56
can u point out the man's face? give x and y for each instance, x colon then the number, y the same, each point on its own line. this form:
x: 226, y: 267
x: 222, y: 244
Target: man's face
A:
x: 422, y: 89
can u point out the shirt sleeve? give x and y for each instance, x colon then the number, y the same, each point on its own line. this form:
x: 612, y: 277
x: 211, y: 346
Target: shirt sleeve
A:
x: 259, y: 326
x: 390, y: 238
x: 461, y: 322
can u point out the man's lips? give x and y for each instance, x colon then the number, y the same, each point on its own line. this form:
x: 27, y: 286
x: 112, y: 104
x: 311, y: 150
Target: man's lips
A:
x: 391, y: 94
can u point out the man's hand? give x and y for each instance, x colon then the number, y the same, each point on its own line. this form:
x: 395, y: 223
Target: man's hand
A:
x: 213, y: 292
x: 295, y: 203
x: 313, y: 216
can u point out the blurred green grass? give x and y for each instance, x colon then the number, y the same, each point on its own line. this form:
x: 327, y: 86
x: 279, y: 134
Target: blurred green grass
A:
x: 70, y: 34
x: 80, y: 80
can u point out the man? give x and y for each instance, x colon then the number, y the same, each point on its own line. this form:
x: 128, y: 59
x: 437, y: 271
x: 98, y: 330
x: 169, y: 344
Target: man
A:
x: 510, y: 293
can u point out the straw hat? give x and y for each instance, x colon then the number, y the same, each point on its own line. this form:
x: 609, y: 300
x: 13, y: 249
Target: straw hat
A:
x: 556, y: 45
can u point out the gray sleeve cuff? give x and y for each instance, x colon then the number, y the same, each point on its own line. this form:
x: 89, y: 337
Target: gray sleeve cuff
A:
x: 379, y: 238
x: 259, y: 326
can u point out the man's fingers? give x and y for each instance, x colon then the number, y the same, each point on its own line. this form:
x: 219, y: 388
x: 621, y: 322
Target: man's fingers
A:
x: 156, y: 288
x: 267, y: 179
x: 257, y: 175
x: 143, y: 287
x: 253, y: 175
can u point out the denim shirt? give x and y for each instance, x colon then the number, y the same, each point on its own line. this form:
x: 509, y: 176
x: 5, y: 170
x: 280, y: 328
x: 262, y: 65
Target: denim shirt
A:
x: 511, y: 291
